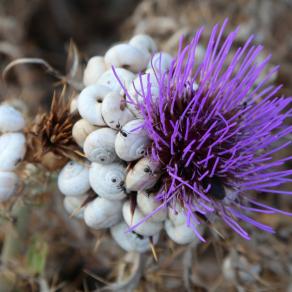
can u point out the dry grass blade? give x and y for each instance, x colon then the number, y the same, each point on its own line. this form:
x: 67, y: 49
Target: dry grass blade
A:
x: 133, y: 205
x: 90, y: 197
x: 38, y: 61
x: 75, y: 212
x: 153, y: 250
x: 31, y: 61
x: 187, y: 262
x: 128, y: 277
x: 73, y: 62
x: 94, y: 276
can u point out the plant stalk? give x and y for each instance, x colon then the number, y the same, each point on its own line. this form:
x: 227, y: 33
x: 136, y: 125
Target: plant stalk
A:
x: 14, y: 244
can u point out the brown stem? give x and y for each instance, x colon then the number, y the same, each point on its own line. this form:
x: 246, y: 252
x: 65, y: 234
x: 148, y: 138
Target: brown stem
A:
x: 14, y: 243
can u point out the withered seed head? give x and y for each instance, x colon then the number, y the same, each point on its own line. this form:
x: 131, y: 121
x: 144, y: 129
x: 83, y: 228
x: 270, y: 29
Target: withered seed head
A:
x: 49, y: 137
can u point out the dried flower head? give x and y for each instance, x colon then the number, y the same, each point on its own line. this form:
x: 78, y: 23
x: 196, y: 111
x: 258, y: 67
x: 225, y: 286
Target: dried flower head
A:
x: 49, y: 137
x: 215, y: 127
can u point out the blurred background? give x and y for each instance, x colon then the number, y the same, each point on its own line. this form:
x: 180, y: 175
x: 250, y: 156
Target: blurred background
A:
x: 56, y: 253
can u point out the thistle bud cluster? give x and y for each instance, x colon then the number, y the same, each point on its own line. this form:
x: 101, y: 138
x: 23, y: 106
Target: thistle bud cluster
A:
x: 119, y: 168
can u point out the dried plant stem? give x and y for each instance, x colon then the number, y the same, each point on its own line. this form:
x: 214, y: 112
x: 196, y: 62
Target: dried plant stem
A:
x: 14, y: 243
x: 52, y: 71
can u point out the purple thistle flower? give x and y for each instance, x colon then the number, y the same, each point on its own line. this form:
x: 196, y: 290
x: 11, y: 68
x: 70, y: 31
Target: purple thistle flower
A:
x: 215, y: 127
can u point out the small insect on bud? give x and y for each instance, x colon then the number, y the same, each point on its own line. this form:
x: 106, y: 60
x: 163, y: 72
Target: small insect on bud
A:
x: 81, y: 130
x: 73, y: 206
x: 108, y: 180
x: 181, y: 234
x: 132, y: 141
x: 99, y: 146
x: 144, y: 43
x: 217, y: 190
x: 90, y: 101
x: 146, y: 228
x: 12, y: 150
x: 102, y: 213
x: 73, y: 180
x: 115, y: 112
x: 143, y: 175
x: 160, y: 62
x: 148, y: 205
x: 11, y: 120
x: 131, y: 241
x: 8, y: 185
x: 94, y: 69
x: 126, y: 56
x: 109, y: 79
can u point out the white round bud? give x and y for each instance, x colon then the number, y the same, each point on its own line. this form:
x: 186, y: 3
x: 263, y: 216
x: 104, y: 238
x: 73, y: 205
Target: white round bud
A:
x: 139, y: 87
x: 180, y: 234
x: 73, y: 180
x: 8, y: 185
x: 99, y: 146
x: 11, y: 120
x: 102, y: 213
x: 108, y: 180
x: 109, y: 79
x: 94, y: 69
x: 12, y: 150
x: 81, y: 130
x: 143, y: 175
x: 131, y: 241
x: 90, y: 101
x: 160, y: 62
x: 146, y: 228
x: 177, y: 215
x: 126, y: 56
x: 115, y: 112
x: 132, y: 141
x: 144, y: 43
x: 147, y: 204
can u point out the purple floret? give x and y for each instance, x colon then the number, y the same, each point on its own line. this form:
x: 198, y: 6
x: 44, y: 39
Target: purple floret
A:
x: 215, y: 128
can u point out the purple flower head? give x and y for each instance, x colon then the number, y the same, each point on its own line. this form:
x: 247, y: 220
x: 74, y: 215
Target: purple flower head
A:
x: 215, y: 126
